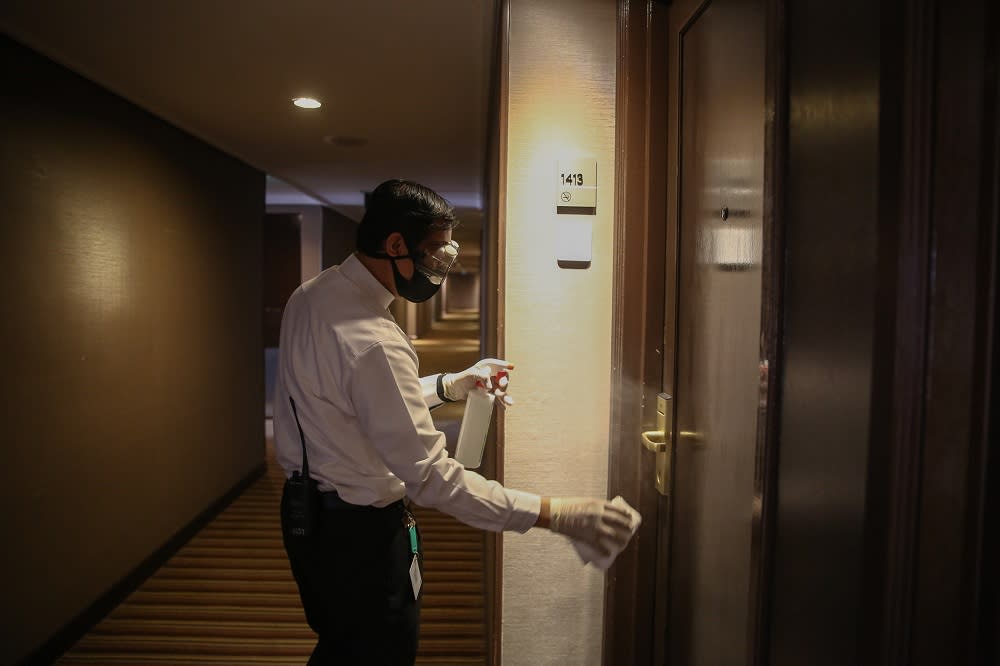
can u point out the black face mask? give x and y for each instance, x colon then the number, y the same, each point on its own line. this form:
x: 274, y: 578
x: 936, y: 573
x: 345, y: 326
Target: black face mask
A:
x: 418, y: 288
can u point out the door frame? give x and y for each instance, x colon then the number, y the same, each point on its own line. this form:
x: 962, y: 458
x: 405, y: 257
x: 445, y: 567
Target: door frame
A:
x: 932, y: 587
x: 492, y: 304
x: 643, y: 260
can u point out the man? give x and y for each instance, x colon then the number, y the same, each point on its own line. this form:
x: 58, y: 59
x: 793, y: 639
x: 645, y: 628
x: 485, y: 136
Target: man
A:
x: 347, y: 375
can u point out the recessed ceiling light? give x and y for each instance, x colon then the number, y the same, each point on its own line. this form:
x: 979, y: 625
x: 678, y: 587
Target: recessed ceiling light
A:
x: 307, y: 103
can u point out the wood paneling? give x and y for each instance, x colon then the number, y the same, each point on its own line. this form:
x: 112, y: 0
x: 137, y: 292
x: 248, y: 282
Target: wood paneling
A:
x: 282, y: 268
x: 635, y: 624
x: 883, y: 163
x: 491, y: 339
x: 772, y: 330
x: 639, y: 270
x: 931, y: 572
x: 831, y: 199
x: 339, y: 237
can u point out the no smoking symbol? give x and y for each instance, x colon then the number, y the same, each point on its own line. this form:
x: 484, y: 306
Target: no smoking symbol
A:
x: 566, y: 196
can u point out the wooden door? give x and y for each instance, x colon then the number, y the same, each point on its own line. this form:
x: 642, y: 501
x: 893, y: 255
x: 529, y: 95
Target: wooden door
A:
x: 281, y: 273
x: 712, y: 337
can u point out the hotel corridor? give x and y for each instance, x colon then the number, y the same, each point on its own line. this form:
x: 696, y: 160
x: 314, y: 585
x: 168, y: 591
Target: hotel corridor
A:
x: 744, y: 256
x: 228, y: 597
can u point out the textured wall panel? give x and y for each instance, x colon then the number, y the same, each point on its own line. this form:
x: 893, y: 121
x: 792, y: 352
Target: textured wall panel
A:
x: 131, y: 336
x: 558, y: 321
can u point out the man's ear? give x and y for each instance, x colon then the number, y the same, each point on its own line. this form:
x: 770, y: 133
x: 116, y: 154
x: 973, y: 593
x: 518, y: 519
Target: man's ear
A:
x: 395, y: 245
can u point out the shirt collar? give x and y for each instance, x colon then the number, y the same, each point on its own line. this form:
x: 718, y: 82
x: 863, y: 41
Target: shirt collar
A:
x: 358, y: 273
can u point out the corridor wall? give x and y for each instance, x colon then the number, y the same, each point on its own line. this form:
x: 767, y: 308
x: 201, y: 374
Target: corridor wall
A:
x: 312, y: 236
x: 560, y: 104
x: 132, y: 388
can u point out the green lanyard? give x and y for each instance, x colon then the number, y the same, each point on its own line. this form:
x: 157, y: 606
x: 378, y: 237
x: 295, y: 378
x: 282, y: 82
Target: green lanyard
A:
x: 411, y: 527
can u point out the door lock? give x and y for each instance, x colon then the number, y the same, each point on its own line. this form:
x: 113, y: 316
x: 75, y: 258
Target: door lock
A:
x: 659, y: 441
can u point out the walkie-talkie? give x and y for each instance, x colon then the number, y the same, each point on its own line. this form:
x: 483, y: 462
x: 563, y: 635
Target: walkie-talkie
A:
x: 300, y: 497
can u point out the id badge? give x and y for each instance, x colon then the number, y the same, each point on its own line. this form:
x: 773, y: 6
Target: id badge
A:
x: 415, y: 579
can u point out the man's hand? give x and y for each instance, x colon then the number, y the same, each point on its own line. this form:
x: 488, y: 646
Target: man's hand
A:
x: 492, y: 372
x: 600, y: 524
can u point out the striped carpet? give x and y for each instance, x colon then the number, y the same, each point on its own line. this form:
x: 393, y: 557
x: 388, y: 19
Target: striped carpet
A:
x: 227, y: 597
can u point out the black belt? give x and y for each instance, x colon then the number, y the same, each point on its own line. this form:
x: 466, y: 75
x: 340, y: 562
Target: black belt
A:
x: 334, y: 502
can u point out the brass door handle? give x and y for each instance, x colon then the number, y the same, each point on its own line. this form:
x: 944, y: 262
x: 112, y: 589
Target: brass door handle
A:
x: 659, y: 441
x: 655, y: 441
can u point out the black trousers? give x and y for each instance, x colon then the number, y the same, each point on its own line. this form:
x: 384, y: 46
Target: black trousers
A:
x: 354, y: 581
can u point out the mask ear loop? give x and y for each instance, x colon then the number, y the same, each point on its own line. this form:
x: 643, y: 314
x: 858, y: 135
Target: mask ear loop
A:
x: 415, y: 258
x: 385, y: 255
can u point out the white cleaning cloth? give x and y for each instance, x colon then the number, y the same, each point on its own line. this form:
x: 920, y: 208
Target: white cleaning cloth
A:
x: 590, y: 555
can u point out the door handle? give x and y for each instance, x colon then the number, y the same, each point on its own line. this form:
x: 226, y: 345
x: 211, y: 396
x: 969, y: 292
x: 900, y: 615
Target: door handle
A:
x: 659, y: 441
x: 696, y: 437
x: 655, y: 441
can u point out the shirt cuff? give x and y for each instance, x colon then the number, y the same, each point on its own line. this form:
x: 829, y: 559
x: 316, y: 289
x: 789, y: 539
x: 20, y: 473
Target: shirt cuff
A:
x: 440, y: 389
x: 526, y: 507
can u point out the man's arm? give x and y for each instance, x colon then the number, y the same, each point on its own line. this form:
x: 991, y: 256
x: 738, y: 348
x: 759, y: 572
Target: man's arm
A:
x: 388, y: 398
x: 428, y: 386
x: 389, y: 402
x: 544, y: 514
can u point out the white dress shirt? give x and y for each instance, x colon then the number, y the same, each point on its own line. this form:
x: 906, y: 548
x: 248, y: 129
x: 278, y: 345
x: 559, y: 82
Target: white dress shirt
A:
x: 365, y: 412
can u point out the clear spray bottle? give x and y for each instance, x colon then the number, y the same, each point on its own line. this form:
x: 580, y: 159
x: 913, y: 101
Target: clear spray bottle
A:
x: 475, y: 426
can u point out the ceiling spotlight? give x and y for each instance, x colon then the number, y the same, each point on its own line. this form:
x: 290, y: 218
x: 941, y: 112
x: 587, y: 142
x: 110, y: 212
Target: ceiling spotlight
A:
x: 307, y: 103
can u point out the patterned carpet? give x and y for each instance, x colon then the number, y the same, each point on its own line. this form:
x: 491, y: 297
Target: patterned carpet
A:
x: 228, y: 597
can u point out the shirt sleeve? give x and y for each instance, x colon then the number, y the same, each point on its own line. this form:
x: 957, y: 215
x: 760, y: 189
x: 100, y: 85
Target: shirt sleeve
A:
x: 388, y: 399
x: 428, y: 385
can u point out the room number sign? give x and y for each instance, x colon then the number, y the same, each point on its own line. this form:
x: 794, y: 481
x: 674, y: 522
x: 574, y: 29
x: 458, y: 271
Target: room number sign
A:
x: 576, y: 184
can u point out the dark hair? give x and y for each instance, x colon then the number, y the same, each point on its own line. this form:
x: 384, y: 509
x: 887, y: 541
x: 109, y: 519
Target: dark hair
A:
x: 404, y: 206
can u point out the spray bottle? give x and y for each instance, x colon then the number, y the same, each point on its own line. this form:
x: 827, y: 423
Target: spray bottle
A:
x: 475, y: 425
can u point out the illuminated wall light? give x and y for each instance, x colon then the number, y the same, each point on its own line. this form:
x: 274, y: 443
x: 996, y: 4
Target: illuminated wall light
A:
x: 307, y: 103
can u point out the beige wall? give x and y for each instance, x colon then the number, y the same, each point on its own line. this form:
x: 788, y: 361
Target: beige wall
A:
x: 561, y: 103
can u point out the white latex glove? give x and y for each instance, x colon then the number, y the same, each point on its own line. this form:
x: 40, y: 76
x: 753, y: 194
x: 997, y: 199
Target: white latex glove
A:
x: 603, y: 527
x: 589, y: 555
x: 457, y: 385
